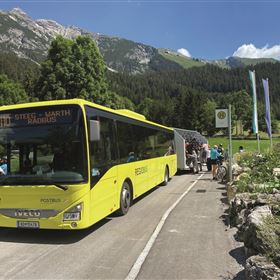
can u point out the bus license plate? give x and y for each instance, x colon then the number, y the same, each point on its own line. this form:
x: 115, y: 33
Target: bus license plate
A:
x: 23, y: 224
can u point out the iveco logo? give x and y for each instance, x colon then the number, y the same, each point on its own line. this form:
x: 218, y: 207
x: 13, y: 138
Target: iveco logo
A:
x: 25, y: 213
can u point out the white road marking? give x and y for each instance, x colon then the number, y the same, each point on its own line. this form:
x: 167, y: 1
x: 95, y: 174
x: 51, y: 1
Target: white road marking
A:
x: 133, y: 273
x: 174, y: 230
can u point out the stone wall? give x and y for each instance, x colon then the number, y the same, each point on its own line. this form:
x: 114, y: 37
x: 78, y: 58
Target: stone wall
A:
x: 253, y: 215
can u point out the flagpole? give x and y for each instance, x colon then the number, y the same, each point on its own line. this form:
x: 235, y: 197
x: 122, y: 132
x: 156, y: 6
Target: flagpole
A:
x: 259, y: 146
x: 271, y: 144
x: 270, y: 128
x: 256, y: 114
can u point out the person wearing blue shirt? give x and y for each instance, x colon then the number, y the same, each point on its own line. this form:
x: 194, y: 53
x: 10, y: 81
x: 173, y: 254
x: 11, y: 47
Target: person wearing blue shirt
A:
x: 214, y: 155
x: 131, y: 157
x: 3, y: 166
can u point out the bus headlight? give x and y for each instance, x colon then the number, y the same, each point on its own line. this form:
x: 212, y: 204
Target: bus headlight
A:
x: 74, y: 213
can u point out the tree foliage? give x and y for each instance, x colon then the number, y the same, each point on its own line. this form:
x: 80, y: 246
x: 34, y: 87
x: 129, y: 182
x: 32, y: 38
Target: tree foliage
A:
x: 73, y: 69
x: 174, y: 97
x: 192, y: 95
x: 11, y: 92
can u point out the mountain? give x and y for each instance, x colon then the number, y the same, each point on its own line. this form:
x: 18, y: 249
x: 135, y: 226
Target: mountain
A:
x: 28, y: 38
x: 31, y: 39
x: 240, y: 62
x: 228, y: 63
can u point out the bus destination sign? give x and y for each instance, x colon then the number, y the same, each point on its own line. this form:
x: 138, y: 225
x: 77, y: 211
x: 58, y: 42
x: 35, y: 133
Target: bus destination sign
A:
x: 35, y: 117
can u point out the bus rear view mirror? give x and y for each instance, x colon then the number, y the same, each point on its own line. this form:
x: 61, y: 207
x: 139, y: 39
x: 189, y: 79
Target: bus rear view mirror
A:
x: 94, y: 132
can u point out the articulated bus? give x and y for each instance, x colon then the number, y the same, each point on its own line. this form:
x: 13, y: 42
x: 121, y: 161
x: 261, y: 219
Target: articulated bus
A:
x: 71, y: 163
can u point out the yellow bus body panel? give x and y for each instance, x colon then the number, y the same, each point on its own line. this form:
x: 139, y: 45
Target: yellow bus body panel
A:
x: 44, y: 197
x: 98, y: 201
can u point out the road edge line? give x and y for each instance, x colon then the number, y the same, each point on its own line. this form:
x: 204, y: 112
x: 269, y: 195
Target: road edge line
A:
x: 134, y: 271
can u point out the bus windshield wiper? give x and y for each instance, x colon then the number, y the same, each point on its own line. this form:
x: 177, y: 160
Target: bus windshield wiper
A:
x: 26, y: 180
x: 65, y: 188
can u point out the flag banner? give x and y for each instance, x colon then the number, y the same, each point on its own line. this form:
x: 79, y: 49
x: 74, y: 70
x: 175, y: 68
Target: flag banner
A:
x: 221, y: 118
x: 252, y: 77
x: 267, y: 107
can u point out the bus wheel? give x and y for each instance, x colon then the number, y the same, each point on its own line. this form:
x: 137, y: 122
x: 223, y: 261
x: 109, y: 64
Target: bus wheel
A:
x: 125, y: 199
x: 166, y: 177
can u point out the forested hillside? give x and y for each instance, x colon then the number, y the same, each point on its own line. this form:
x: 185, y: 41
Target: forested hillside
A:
x: 209, y: 79
x: 182, y: 98
x: 188, y: 98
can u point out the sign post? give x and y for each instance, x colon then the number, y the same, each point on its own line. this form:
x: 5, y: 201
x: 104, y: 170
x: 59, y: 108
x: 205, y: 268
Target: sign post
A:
x: 223, y: 120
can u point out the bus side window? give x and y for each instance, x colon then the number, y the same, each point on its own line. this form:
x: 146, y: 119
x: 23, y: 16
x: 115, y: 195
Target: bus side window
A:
x: 103, y: 153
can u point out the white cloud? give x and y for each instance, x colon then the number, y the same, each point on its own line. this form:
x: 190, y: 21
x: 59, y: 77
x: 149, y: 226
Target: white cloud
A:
x: 250, y: 51
x: 184, y: 52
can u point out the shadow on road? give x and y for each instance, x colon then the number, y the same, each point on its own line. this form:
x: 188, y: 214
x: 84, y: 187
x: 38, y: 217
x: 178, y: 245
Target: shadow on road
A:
x: 47, y: 236
x: 224, y: 200
x: 240, y: 275
x: 238, y: 253
x: 182, y: 172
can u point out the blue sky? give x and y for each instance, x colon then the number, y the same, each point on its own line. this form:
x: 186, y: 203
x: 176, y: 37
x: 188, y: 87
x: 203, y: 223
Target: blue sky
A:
x: 203, y: 29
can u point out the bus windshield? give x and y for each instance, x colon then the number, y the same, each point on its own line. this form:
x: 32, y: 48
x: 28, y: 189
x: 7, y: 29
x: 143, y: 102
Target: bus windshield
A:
x: 42, y: 145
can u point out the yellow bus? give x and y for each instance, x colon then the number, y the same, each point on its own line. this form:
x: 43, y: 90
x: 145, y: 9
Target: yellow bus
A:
x: 70, y: 163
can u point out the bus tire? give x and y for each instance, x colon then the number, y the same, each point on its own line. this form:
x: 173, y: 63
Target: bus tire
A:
x: 166, y: 177
x: 125, y: 199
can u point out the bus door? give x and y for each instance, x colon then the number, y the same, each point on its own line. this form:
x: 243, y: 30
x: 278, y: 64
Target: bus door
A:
x: 103, y: 168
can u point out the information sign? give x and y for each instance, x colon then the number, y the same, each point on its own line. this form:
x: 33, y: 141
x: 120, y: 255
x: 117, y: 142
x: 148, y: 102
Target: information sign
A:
x: 221, y: 118
x: 35, y: 117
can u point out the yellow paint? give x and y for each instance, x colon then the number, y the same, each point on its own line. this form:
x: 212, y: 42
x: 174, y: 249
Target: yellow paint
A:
x: 99, y: 201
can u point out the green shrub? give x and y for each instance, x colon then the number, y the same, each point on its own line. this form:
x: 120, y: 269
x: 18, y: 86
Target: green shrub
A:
x: 261, y: 171
x: 269, y: 233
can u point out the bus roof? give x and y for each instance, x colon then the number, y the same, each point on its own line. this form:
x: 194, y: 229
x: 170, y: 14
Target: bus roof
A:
x: 82, y: 102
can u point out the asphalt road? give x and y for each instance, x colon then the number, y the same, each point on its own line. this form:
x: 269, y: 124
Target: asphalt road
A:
x: 193, y: 240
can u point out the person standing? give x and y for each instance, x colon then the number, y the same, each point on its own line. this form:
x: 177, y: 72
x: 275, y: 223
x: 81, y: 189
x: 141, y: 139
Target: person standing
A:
x: 3, y: 166
x: 192, y: 155
x: 208, y: 158
x: 221, y: 152
x: 214, y: 155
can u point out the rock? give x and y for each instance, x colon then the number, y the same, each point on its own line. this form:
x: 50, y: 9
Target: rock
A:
x: 258, y: 214
x: 259, y: 268
x: 239, y: 203
x: 248, y: 232
x: 276, y: 171
x: 277, y: 260
x: 246, y: 169
x: 275, y: 191
x: 236, y: 169
x: 262, y: 199
x: 251, y: 187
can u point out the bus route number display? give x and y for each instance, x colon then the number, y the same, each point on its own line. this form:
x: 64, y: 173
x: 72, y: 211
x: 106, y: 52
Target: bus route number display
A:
x: 35, y: 117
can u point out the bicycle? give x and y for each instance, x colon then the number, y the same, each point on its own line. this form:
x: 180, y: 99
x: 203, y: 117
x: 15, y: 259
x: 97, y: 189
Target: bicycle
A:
x: 221, y: 172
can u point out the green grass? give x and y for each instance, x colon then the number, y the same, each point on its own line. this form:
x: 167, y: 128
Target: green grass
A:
x: 248, y: 144
x: 184, y: 61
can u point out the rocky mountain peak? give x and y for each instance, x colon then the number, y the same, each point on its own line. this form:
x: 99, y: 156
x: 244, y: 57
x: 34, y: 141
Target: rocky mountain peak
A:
x: 18, y: 11
x: 31, y: 39
x: 53, y: 29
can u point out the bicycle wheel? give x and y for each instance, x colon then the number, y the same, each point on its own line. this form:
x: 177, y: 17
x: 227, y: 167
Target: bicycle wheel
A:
x: 221, y: 173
